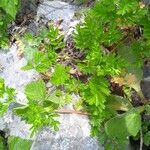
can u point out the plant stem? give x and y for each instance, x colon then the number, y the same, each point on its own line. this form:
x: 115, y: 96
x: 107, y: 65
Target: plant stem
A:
x: 64, y: 111
x: 141, y: 140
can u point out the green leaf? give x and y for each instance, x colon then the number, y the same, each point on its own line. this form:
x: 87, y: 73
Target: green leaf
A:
x: 36, y: 90
x: 39, y: 62
x: 2, y: 143
x: 133, y: 123
x: 16, y: 143
x: 132, y: 55
x: 60, y: 75
x: 55, y: 99
x: 124, y: 125
x: 146, y: 138
x: 11, y: 7
x: 127, y: 6
x: 119, y: 103
x: 6, y: 96
x: 146, y: 30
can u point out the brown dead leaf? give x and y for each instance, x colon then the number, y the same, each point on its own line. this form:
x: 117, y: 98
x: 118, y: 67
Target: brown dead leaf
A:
x: 75, y: 71
x: 130, y: 79
x: 20, y: 48
x: 142, y: 5
x: 119, y: 80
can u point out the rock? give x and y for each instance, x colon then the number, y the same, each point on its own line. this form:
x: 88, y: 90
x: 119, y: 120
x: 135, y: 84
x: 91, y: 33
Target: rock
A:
x: 32, y: 28
x: 73, y: 134
x: 56, y: 10
x: 145, y: 82
x: 12, y: 73
x: 28, y: 6
x: 145, y: 87
x: 16, y: 78
x: 146, y: 68
x: 147, y: 2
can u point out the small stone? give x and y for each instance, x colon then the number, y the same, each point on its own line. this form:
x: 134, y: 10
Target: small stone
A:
x: 145, y: 87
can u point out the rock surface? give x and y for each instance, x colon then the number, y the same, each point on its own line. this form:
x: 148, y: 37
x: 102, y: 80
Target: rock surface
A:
x: 57, y: 10
x: 74, y: 133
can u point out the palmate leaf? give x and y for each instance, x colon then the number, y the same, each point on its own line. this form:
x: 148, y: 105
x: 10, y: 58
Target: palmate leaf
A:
x: 10, y: 6
x: 6, y: 96
x: 36, y: 90
x: 40, y: 62
x: 60, y: 75
x: 16, y: 143
x: 124, y: 125
x: 127, y: 6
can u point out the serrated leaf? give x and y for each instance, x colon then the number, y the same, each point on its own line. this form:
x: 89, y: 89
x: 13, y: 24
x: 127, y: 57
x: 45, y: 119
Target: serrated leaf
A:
x: 40, y: 62
x: 11, y: 8
x: 127, y: 6
x: 60, y: 76
x: 36, y: 90
x: 6, y: 96
x: 16, y: 143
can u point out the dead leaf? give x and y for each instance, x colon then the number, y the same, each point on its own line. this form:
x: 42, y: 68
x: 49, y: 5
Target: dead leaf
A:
x: 119, y: 80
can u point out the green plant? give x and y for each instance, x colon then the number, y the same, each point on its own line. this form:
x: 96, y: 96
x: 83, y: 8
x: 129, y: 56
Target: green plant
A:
x: 6, y: 97
x: 8, y: 10
x: 109, y: 38
x: 39, y: 111
x: 41, y: 51
x: 16, y: 143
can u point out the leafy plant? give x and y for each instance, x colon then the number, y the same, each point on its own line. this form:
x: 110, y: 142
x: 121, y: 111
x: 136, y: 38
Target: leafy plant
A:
x: 109, y: 38
x: 8, y: 10
x: 39, y: 111
x: 41, y: 50
x: 6, y: 96
x: 16, y: 143
x: 60, y: 75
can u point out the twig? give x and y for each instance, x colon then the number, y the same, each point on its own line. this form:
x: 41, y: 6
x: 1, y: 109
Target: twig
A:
x: 64, y: 111
x: 141, y: 140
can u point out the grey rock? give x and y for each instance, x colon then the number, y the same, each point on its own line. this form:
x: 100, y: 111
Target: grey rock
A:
x: 32, y: 28
x: 12, y: 73
x: 16, y: 78
x: 147, y: 2
x: 28, y: 6
x: 146, y: 68
x: 145, y: 87
x: 56, y: 10
x: 73, y: 134
x: 145, y: 82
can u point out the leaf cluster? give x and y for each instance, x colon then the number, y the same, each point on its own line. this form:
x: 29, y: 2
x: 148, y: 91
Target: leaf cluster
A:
x: 112, y: 40
x: 39, y: 111
x: 41, y: 51
x: 6, y: 96
x: 8, y: 10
